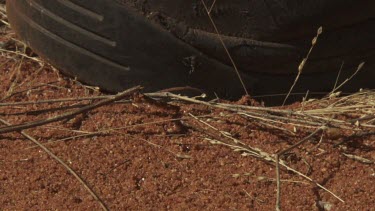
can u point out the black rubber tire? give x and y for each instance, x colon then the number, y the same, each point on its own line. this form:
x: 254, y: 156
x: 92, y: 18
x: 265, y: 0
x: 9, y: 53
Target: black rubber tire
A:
x: 115, y: 44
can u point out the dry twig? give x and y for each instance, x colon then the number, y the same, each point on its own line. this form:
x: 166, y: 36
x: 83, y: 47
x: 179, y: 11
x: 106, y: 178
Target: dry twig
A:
x: 69, y: 115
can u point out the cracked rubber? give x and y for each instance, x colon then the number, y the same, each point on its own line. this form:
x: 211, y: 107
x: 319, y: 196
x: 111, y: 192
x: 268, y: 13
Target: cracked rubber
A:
x: 116, y: 44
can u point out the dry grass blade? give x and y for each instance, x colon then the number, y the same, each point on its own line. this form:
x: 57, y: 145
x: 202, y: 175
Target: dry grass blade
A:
x: 278, y: 194
x: 360, y: 66
x: 303, y: 63
x: 55, y: 100
x: 15, y: 78
x: 21, y: 54
x: 212, y: 6
x: 337, y: 78
x: 177, y: 155
x: 239, y: 146
x: 68, y: 115
x: 358, y: 158
x: 208, y: 11
x: 110, y: 130
x: 92, y: 193
x: 313, y: 116
x: 24, y: 91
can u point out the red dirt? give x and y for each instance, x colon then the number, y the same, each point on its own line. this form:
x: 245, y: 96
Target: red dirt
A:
x: 160, y: 166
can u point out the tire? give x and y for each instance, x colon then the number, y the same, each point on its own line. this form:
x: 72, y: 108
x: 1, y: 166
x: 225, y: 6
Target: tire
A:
x: 116, y: 44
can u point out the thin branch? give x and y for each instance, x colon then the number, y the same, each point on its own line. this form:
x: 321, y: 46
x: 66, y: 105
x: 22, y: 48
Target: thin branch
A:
x: 69, y: 115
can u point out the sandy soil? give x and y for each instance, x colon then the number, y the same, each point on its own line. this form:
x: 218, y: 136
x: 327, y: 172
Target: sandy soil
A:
x: 161, y: 158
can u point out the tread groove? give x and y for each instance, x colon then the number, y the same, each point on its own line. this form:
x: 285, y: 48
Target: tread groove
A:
x: 71, y: 45
x: 82, y: 10
x: 74, y: 27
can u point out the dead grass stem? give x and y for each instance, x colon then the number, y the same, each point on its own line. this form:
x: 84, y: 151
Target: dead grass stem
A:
x: 66, y: 166
x: 303, y: 63
x: 208, y: 11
